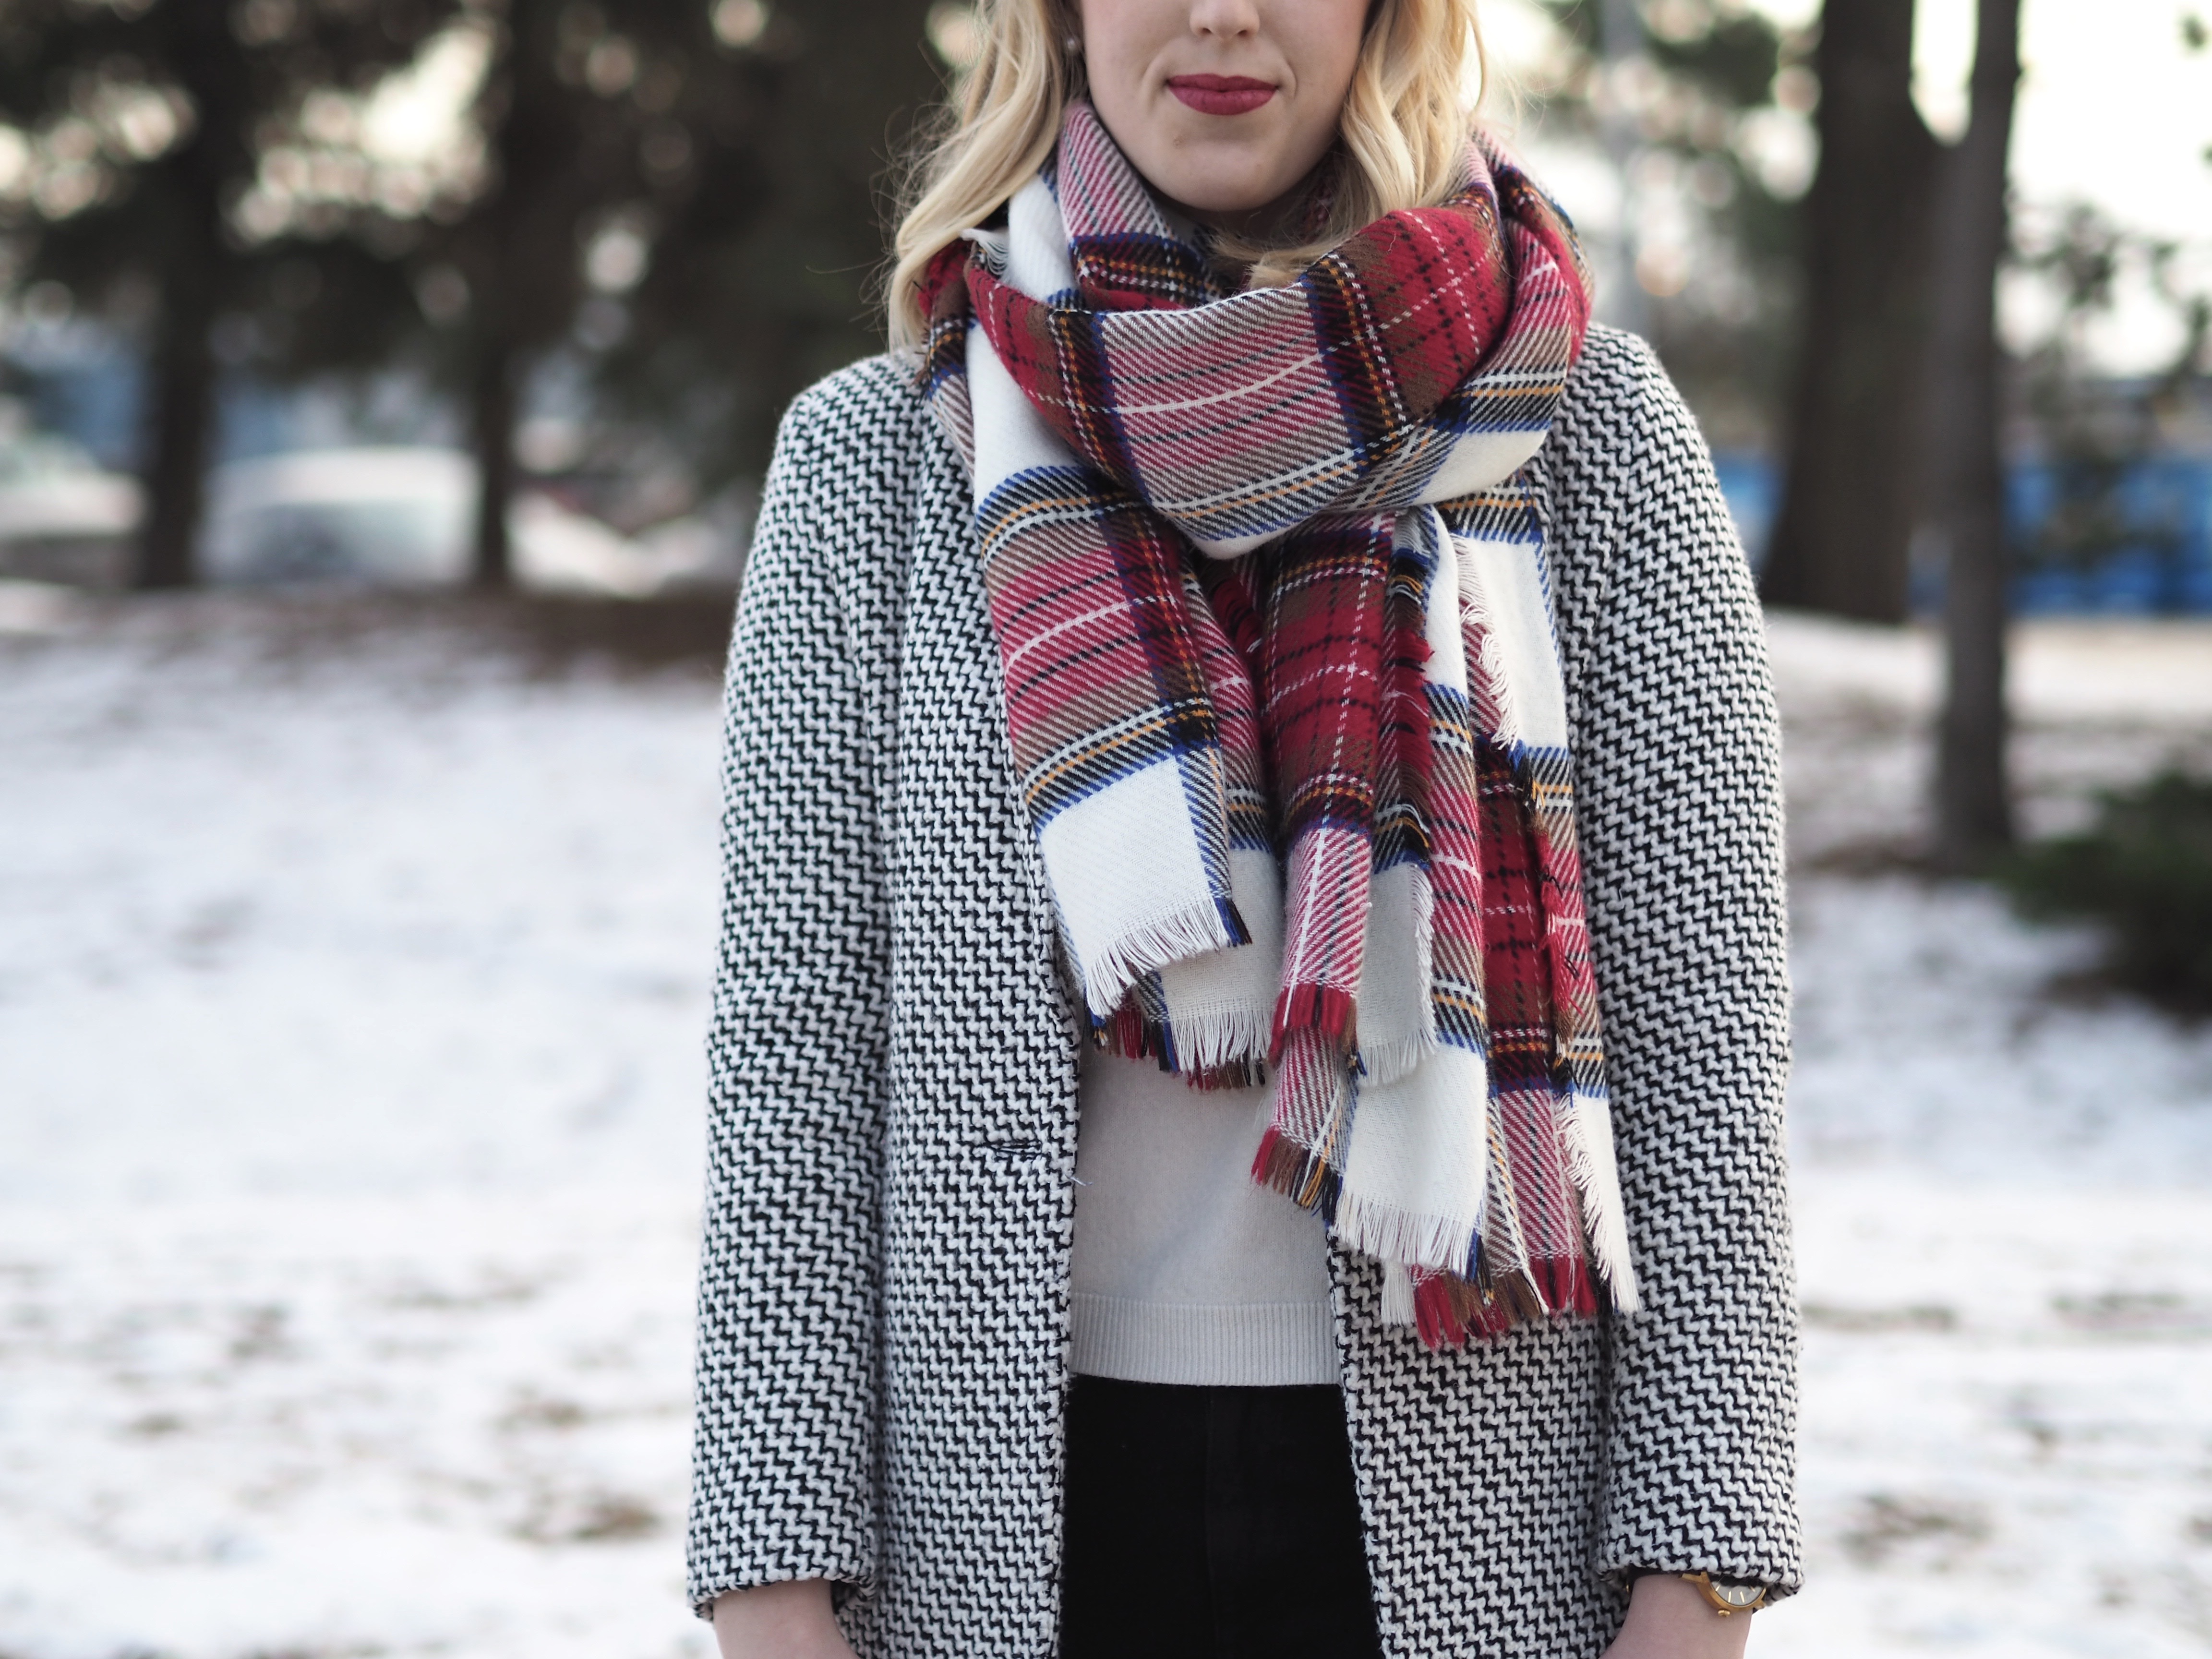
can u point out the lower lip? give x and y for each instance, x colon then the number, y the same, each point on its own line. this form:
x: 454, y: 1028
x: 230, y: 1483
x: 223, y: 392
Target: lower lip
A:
x: 1222, y: 101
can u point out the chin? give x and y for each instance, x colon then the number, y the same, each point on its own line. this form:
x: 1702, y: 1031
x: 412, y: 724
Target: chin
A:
x: 1221, y: 190
x: 1220, y: 201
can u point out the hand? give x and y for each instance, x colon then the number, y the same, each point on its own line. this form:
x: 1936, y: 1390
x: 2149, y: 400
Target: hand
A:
x: 781, y: 1621
x: 1669, y: 1619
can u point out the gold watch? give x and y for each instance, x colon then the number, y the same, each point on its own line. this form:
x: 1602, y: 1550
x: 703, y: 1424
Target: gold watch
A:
x: 1725, y: 1596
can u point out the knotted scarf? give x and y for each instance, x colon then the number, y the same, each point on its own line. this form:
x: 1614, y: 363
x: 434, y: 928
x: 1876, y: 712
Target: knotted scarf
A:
x: 1287, y: 712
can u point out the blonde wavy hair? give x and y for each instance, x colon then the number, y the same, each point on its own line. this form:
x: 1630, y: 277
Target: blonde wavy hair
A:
x: 1400, y: 139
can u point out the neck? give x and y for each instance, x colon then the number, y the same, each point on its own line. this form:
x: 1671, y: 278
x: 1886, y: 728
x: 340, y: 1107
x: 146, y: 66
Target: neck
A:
x: 1259, y: 225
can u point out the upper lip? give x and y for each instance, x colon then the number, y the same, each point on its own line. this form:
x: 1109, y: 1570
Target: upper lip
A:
x: 1220, y: 83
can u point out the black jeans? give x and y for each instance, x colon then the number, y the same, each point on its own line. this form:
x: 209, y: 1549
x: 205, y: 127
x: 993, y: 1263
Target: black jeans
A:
x: 1211, y: 1523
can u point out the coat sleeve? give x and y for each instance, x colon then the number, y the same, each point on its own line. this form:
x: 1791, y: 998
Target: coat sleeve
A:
x: 783, y: 1484
x: 1680, y: 805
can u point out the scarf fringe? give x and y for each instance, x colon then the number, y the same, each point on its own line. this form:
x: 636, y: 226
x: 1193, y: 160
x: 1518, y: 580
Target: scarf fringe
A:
x: 1489, y: 689
x: 1397, y: 1058
x: 1192, y: 930
x: 1438, y: 1243
x: 1566, y: 1285
x: 1223, y: 1038
x: 1588, y: 1139
x: 1447, y: 1308
x: 1397, y: 1293
x: 1328, y: 1011
x: 1300, y: 1174
x: 1219, y: 1048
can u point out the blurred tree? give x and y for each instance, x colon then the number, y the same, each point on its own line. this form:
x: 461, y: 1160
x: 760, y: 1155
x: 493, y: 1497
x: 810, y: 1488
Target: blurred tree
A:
x: 1966, y: 466
x: 560, y: 108
x: 763, y: 275
x: 2145, y: 869
x: 145, y: 125
x: 593, y: 123
x: 1841, y: 539
x: 1725, y: 309
x: 1702, y: 104
x: 683, y: 192
x: 2094, y: 432
x: 350, y: 196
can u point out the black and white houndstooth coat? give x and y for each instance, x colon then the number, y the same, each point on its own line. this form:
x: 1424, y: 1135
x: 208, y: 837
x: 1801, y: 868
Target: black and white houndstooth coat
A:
x: 884, y: 1308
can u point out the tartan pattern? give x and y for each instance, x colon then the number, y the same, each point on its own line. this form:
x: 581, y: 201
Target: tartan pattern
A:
x: 1052, y: 558
x: 1323, y: 686
x: 1344, y: 696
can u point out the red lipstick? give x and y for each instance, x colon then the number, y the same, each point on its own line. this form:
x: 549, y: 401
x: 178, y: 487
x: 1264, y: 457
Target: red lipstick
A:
x: 1221, y: 95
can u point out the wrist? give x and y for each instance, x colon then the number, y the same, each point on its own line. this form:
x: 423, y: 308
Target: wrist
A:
x: 1669, y: 1618
x: 776, y: 1620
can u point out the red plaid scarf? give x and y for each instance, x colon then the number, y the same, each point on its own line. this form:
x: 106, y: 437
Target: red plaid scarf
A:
x: 1361, y: 430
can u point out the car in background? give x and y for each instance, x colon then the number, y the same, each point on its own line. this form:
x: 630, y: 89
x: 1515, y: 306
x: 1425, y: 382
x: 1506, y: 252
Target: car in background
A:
x: 406, y: 518
x: 63, y: 517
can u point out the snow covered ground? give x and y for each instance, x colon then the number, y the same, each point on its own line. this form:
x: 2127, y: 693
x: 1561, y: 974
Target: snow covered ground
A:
x: 351, y: 984
x: 351, y: 995
x: 2002, y: 1183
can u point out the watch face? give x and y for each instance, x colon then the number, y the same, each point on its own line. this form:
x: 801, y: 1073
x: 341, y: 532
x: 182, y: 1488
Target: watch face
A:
x: 1738, y: 1595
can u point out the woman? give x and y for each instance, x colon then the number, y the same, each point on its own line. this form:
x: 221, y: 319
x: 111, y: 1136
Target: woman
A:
x: 1249, y: 1046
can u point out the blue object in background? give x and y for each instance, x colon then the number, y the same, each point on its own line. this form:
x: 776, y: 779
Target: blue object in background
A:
x: 2160, y: 562
x: 87, y: 389
x: 2160, y: 557
x: 1752, y: 485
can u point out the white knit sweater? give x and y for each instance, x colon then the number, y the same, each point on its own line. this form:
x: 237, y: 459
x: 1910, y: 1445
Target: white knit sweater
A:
x: 1185, y: 1270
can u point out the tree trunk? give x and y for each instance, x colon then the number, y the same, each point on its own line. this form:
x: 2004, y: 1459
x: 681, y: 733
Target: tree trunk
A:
x: 1841, y: 538
x: 180, y: 403
x: 492, y: 400
x: 1620, y: 37
x: 1973, y: 802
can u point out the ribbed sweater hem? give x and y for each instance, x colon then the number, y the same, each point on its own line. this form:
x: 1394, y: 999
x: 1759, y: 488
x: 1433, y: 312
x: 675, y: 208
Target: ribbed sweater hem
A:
x: 1234, y: 1344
